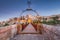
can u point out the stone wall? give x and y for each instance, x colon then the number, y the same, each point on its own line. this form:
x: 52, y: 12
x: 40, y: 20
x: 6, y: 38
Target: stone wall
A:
x: 7, y: 32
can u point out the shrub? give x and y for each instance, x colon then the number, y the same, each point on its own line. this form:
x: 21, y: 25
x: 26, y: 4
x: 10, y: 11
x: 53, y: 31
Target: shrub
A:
x: 44, y: 22
x: 6, y: 24
x: 50, y: 22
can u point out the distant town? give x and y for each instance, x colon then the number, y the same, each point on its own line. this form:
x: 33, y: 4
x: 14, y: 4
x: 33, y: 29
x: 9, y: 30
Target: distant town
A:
x: 35, y: 18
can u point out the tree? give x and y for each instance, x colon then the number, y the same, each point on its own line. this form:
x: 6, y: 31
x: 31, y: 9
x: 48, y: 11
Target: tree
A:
x: 55, y: 18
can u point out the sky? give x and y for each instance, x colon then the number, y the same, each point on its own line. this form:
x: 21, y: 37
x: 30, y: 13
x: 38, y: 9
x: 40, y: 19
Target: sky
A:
x: 13, y: 8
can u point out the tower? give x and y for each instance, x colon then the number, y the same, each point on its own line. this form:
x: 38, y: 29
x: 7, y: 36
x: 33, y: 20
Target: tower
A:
x: 29, y: 8
x: 29, y: 4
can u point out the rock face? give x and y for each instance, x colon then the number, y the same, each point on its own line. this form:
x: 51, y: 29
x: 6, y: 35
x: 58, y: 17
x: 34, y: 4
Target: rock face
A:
x: 29, y: 29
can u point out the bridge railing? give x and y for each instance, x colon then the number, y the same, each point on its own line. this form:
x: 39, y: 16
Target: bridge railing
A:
x: 7, y: 32
x: 52, y: 29
x: 52, y: 32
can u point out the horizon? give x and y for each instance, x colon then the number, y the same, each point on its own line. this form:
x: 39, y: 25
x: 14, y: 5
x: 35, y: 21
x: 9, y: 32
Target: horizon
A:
x: 13, y: 8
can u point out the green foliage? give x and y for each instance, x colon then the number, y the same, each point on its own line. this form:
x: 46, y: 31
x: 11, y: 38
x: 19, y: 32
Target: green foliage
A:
x: 51, y: 22
x: 35, y: 21
x: 44, y: 22
x: 58, y: 21
x: 6, y: 24
x: 55, y: 18
x: 3, y: 25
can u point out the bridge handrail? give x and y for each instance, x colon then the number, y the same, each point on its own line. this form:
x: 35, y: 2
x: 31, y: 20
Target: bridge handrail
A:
x: 51, y: 31
x: 6, y: 32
